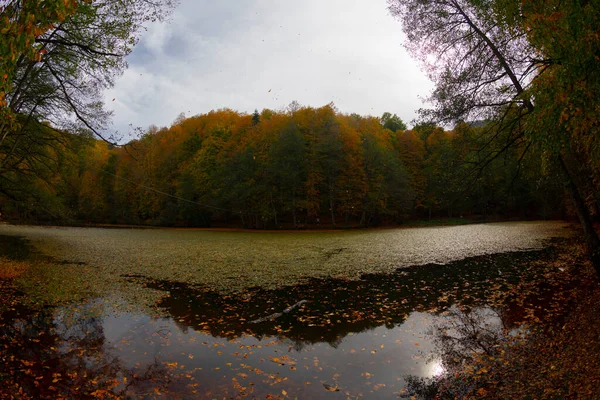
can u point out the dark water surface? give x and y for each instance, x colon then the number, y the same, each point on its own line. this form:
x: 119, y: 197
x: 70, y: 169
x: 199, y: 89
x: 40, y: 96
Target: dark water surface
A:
x: 344, y: 339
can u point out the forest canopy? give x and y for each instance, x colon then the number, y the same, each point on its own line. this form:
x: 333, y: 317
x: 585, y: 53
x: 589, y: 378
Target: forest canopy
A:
x: 294, y: 168
x: 529, y: 67
x: 56, y: 59
x: 506, y: 154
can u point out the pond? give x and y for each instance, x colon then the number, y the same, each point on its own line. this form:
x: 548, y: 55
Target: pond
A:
x: 202, y: 314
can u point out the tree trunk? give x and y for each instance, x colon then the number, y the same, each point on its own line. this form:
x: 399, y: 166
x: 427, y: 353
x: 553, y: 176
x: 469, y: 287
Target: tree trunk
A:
x: 294, y: 207
x: 274, y: 212
x: 331, y: 210
x: 332, y: 217
x: 591, y: 237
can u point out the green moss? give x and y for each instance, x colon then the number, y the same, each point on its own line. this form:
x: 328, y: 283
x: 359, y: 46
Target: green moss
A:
x: 97, y: 262
x: 51, y: 284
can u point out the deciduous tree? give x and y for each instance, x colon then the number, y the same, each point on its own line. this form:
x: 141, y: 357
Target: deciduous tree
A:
x: 56, y: 58
x: 499, y: 60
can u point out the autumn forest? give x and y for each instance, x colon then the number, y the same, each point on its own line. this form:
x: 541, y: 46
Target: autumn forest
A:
x: 493, y: 293
x: 301, y: 167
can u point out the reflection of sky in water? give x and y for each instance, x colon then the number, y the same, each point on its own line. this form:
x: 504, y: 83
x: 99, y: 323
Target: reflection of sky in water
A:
x: 371, y: 363
x: 436, y: 369
x: 359, y: 337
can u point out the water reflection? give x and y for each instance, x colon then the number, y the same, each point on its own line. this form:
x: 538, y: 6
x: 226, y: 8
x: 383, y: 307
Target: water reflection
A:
x: 16, y: 248
x: 335, y: 308
x: 459, y: 340
x: 436, y: 369
x: 367, y: 363
x: 358, y: 338
x: 41, y: 360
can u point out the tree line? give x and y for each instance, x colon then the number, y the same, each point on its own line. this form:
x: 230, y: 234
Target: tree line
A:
x: 527, y: 70
x: 301, y: 167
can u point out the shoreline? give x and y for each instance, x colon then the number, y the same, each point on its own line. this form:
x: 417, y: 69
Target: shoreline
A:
x: 410, y: 225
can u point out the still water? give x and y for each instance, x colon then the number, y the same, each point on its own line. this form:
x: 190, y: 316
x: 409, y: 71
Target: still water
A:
x: 345, y: 334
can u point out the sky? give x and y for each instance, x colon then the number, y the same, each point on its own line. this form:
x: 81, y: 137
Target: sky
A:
x: 257, y: 54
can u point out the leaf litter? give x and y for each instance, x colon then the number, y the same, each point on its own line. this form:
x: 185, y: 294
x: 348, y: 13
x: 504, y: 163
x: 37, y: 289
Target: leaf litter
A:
x: 144, y: 337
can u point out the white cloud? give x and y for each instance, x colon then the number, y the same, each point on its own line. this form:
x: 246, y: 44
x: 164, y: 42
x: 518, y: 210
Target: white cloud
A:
x: 265, y: 54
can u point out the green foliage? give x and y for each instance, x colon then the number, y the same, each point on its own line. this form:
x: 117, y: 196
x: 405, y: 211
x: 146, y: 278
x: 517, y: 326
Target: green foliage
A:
x: 56, y: 57
x: 255, y: 117
x: 528, y: 67
x: 568, y: 87
x: 392, y: 122
x: 221, y: 168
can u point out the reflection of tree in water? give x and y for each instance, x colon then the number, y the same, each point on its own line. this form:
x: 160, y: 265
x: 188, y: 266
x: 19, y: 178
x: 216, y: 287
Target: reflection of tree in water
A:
x: 468, y: 331
x: 45, y: 354
x: 337, y: 307
x: 17, y: 248
x: 43, y: 362
x: 460, y: 337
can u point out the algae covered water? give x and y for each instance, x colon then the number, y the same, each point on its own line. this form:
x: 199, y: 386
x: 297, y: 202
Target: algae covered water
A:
x: 196, y: 314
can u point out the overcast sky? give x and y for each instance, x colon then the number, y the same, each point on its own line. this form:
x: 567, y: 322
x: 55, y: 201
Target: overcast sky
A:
x: 257, y: 54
